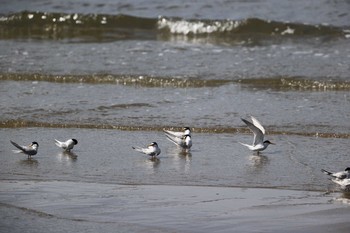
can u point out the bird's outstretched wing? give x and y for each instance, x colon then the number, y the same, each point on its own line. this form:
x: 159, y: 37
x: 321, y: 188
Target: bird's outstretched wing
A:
x: 258, y: 134
x: 258, y: 124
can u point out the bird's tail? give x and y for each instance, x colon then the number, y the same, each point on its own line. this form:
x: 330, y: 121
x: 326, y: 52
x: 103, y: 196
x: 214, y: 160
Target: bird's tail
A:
x: 17, y: 151
x: 243, y: 144
x: 173, y: 133
x: 137, y: 148
x: 171, y: 138
x: 326, y: 172
x: 170, y: 133
x: 58, y: 143
x: 165, y: 131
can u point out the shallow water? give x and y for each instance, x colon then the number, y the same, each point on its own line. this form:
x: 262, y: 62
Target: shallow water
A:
x: 207, y: 109
x: 114, y: 74
x: 215, y: 160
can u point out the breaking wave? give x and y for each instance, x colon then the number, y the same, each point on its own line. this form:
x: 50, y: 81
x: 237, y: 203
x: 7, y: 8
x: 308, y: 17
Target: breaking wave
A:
x: 101, y: 27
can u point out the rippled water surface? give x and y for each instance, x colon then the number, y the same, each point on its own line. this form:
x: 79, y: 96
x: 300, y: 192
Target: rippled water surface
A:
x: 215, y: 160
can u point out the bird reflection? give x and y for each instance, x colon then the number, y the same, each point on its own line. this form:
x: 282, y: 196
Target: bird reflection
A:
x: 347, y: 196
x: 181, y: 158
x: 154, y: 159
x: 258, y: 161
x: 186, y: 154
x: 344, y: 198
x: 67, y: 155
x: 152, y: 163
x: 181, y: 152
x: 30, y: 162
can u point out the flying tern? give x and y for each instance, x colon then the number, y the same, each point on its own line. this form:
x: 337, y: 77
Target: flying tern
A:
x: 152, y: 149
x: 67, y: 145
x: 30, y: 150
x: 338, y: 175
x: 179, y: 134
x: 258, y: 130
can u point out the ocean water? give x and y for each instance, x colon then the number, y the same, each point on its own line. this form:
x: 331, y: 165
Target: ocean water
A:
x: 114, y: 74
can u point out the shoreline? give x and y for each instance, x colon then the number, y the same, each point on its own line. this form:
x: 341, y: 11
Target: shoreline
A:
x: 162, y: 208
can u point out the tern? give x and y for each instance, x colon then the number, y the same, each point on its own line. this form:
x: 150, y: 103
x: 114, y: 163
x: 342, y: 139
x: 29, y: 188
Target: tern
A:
x: 343, y: 183
x: 30, y: 150
x: 67, y: 145
x: 186, y: 131
x: 185, y: 141
x: 338, y: 175
x: 152, y: 149
x: 258, y: 130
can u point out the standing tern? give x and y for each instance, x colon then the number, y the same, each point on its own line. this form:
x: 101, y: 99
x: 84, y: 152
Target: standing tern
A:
x: 152, y: 150
x: 338, y: 175
x: 30, y: 150
x: 343, y: 183
x: 67, y: 145
x: 185, y: 141
x: 186, y: 131
x: 258, y: 130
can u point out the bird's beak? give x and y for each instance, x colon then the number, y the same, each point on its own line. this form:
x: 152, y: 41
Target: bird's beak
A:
x: 272, y: 143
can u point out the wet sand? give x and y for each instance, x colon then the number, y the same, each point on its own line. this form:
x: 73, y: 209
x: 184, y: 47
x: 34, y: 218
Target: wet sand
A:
x: 162, y: 208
